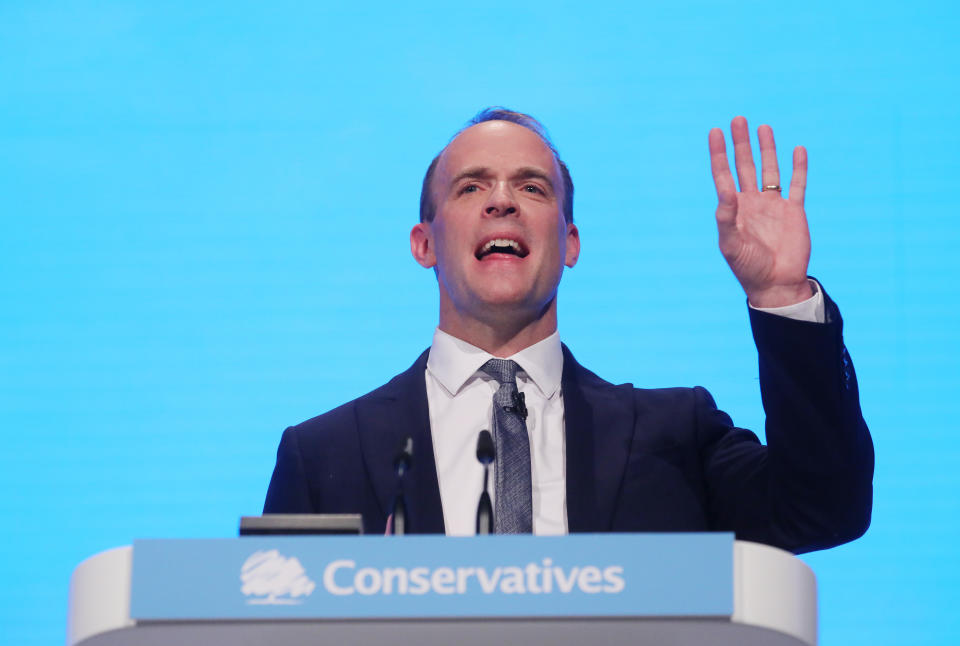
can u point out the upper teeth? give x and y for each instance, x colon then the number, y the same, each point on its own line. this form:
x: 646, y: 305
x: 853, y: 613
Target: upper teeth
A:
x: 501, y: 242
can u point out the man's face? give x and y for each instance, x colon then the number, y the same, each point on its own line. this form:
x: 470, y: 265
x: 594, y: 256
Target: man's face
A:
x: 498, y: 241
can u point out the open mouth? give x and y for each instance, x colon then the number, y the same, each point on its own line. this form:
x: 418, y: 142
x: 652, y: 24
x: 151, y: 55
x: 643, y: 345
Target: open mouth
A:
x: 506, y: 246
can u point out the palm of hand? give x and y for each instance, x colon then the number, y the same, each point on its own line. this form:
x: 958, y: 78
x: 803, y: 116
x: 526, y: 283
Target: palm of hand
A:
x: 769, y: 244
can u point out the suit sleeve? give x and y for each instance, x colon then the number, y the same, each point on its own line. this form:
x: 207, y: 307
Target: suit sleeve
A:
x: 811, y: 487
x: 288, y: 492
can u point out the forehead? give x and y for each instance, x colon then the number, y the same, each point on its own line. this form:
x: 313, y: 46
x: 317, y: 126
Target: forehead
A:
x: 499, y: 146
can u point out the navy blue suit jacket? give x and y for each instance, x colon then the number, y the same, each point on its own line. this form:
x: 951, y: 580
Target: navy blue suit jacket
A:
x: 636, y: 459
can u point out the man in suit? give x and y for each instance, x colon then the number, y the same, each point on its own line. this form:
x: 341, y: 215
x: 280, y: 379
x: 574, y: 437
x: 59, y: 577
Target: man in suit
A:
x: 575, y: 453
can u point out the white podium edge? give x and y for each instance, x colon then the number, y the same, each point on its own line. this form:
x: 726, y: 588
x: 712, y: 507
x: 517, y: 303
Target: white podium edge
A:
x: 771, y: 589
x: 774, y: 589
x: 100, y: 594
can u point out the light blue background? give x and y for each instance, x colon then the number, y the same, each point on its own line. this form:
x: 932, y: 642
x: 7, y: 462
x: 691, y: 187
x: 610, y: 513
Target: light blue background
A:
x: 205, y: 209
x: 662, y: 575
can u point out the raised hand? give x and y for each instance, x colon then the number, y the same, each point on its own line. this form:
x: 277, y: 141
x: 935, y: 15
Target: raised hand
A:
x: 763, y: 236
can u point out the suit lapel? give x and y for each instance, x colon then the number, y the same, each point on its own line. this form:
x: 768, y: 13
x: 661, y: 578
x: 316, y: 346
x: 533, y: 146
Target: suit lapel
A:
x: 598, y: 427
x: 384, y: 419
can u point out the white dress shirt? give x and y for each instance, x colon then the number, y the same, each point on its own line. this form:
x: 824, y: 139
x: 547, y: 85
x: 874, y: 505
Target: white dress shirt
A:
x: 460, y: 401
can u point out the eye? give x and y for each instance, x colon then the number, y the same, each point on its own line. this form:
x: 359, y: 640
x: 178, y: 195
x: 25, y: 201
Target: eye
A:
x: 469, y: 188
x: 533, y: 188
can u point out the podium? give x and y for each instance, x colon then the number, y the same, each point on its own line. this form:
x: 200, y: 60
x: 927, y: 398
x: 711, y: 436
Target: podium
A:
x: 672, y: 589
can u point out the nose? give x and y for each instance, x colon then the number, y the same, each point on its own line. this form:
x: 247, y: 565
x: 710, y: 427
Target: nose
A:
x: 500, y: 202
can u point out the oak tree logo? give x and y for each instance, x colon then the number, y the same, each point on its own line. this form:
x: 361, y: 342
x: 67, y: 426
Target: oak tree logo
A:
x: 271, y: 578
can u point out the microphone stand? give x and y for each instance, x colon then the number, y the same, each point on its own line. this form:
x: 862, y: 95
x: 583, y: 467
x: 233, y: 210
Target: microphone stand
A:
x: 401, y: 464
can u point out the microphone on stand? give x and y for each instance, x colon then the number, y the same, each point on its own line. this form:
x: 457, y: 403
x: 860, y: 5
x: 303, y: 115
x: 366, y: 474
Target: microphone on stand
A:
x: 397, y: 521
x: 486, y: 453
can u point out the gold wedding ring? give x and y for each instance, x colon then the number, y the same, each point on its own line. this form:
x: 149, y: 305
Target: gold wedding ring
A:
x: 772, y: 187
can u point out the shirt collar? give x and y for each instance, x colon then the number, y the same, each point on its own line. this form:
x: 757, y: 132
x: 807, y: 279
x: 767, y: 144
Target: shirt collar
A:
x: 453, y: 361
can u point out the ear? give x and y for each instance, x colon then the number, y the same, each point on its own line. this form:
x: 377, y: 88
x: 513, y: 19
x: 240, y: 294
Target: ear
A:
x: 573, y: 245
x: 421, y: 244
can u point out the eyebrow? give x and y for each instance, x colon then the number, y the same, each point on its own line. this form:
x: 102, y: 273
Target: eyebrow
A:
x: 473, y: 172
x: 482, y: 172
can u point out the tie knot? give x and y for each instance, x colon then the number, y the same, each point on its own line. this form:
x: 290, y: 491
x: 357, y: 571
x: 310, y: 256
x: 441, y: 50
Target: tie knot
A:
x: 503, y: 370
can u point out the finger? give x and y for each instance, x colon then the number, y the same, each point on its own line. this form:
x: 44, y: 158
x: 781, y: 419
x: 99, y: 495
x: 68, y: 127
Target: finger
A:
x: 769, y: 171
x: 746, y: 171
x: 727, y: 213
x: 719, y: 165
x: 722, y: 179
x: 798, y: 182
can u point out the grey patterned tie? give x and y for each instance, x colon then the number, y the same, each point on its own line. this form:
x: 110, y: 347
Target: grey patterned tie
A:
x: 513, y: 506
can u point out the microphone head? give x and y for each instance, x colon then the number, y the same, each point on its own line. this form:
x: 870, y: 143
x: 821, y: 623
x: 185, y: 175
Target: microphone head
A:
x: 485, y: 450
x: 404, y: 459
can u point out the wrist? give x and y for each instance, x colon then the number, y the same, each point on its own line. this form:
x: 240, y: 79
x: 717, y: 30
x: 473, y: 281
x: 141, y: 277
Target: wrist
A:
x: 780, y: 295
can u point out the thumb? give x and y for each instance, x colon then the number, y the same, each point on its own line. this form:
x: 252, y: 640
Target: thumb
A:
x: 726, y: 210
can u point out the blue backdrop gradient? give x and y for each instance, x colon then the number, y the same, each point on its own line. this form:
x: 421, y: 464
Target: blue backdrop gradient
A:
x: 205, y: 210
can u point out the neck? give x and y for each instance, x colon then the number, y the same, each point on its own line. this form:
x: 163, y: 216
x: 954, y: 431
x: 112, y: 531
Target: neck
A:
x: 500, y: 333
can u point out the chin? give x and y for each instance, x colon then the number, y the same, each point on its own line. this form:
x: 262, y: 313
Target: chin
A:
x: 504, y: 300
x: 514, y: 301
x: 503, y: 291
